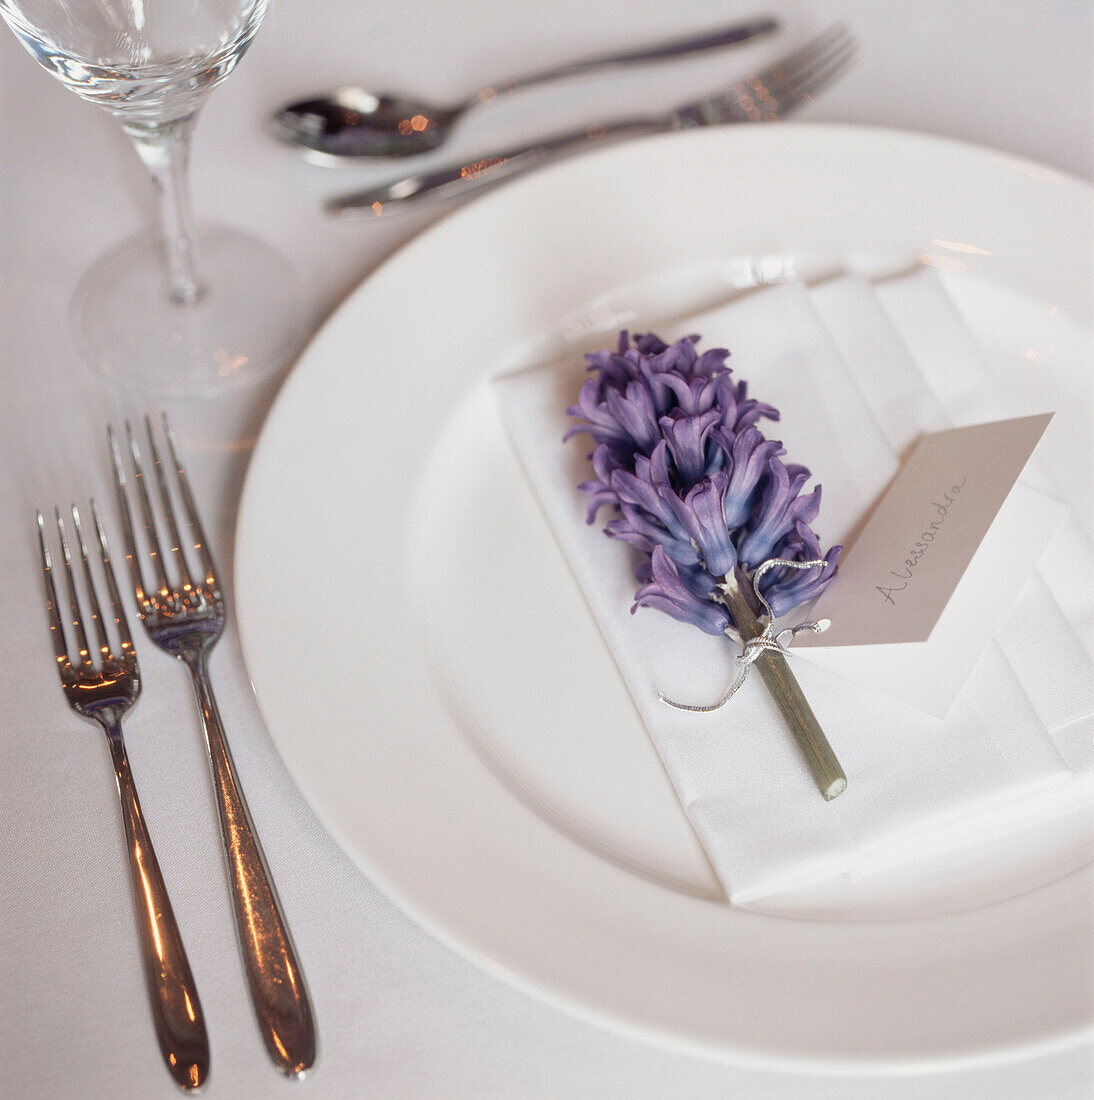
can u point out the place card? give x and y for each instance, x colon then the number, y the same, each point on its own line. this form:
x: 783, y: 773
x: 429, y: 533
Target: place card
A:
x: 937, y: 565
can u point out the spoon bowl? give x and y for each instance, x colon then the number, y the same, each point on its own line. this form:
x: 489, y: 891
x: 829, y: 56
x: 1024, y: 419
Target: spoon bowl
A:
x: 352, y: 122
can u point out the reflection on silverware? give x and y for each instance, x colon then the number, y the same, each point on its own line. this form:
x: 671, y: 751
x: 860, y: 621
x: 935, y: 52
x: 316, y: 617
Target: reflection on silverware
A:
x: 103, y: 688
x: 353, y: 122
x: 764, y: 97
x: 185, y: 616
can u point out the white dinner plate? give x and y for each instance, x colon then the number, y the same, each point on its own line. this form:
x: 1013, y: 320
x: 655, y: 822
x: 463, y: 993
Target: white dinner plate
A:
x: 438, y: 690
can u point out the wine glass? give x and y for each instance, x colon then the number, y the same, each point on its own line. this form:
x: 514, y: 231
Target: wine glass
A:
x: 178, y: 312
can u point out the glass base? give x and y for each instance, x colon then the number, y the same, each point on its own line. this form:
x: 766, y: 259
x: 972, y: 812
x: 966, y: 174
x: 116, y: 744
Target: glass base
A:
x: 244, y: 328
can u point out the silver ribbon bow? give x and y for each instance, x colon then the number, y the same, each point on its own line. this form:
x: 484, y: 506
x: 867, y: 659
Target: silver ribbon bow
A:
x: 753, y: 648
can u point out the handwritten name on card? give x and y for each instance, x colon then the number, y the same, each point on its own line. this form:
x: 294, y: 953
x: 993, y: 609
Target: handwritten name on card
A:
x: 911, y: 555
x: 939, y: 511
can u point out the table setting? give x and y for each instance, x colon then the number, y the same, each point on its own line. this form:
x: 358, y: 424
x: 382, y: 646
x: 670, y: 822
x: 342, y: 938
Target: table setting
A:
x: 337, y: 338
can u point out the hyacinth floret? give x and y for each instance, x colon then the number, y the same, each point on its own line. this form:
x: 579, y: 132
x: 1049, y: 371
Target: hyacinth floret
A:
x: 695, y: 484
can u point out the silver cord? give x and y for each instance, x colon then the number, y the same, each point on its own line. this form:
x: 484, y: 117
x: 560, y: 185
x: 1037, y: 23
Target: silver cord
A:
x: 767, y: 641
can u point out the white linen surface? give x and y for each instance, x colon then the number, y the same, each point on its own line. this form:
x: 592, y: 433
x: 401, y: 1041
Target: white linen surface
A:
x: 1015, y: 746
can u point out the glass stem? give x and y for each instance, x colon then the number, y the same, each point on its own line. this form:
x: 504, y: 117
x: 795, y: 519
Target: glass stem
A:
x: 165, y: 149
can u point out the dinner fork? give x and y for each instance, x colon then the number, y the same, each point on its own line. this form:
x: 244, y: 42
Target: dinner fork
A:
x: 103, y: 689
x: 185, y: 617
x: 766, y: 96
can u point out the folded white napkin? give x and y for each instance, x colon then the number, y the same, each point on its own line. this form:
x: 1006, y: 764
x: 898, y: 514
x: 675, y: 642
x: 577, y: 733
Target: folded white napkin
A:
x: 914, y: 357
x: 918, y: 786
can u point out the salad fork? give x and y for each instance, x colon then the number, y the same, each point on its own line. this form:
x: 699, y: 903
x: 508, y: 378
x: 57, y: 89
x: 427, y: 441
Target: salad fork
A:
x: 103, y: 689
x: 765, y: 96
x: 185, y: 617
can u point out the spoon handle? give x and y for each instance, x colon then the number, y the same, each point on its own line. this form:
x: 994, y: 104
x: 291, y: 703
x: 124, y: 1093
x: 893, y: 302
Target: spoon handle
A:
x: 677, y: 47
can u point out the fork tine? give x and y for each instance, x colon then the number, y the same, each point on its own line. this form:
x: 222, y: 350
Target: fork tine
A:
x: 121, y: 489
x: 121, y: 485
x: 803, y: 74
x: 817, y: 81
x: 56, y: 627
x: 168, y: 507
x: 807, y: 54
x: 117, y: 609
x: 151, y: 534
x: 788, y: 84
x: 201, y: 543
x: 92, y: 595
x: 74, y: 604
x: 837, y: 52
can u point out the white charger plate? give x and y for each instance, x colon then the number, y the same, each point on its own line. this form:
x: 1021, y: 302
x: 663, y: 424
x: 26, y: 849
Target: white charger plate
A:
x: 435, y: 684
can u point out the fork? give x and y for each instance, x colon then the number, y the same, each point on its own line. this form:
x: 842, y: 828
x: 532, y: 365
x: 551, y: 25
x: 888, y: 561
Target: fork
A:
x: 765, y: 96
x: 103, y: 689
x: 186, y: 619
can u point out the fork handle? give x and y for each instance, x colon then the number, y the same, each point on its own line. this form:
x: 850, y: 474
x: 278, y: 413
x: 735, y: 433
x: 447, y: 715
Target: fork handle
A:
x: 176, y: 1010
x: 456, y: 180
x: 276, y: 981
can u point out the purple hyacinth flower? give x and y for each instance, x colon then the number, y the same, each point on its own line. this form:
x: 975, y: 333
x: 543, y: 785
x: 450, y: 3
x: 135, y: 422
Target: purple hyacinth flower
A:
x: 631, y: 388
x: 693, y: 395
x: 697, y: 487
x: 609, y: 369
x: 749, y: 455
x: 683, y: 358
x: 642, y: 489
x: 645, y: 343
x: 657, y: 469
x: 667, y: 592
x: 702, y: 516
x: 705, y: 499
x: 615, y: 370
x: 725, y: 399
x: 634, y: 411
x: 600, y: 490
x: 740, y: 411
x: 679, y: 357
x: 748, y: 410
x: 698, y: 580
x: 779, y: 509
x: 686, y: 437
x: 597, y: 419
x: 642, y: 531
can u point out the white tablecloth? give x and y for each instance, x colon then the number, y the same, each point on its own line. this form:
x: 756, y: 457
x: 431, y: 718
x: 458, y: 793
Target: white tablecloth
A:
x: 399, y: 1014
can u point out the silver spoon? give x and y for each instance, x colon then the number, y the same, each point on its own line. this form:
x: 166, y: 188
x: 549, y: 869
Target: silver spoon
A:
x: 352, y: 122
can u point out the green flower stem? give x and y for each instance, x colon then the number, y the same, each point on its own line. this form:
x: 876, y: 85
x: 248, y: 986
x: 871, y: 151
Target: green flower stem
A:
x: 787, y: 693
